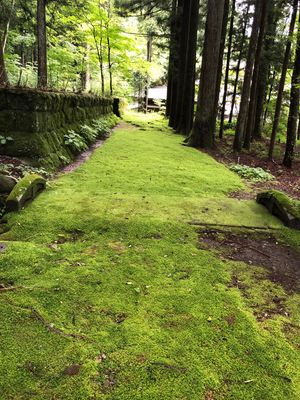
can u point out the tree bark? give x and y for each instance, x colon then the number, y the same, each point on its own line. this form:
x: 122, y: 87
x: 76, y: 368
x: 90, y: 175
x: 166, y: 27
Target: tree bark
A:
x: 282, y: 80
x: 42, y: 44
x: 253, y: 95
x: 238, y: 67
x: 244, y: 105
x: 264, y: 69
x: 221, y: 55
x: 221, y: 132
x: 3, y: 40
x: 172, y: 56
x: 294, y: 108
x: 203, y: 132
x: 174, y: 92
x: 186, y: 112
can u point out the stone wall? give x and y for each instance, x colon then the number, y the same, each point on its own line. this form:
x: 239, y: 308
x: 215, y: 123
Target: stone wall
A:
x: 37, y: 122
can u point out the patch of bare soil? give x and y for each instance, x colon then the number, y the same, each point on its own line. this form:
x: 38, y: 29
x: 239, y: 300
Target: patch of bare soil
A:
x: 287, y: 180
x: 281, y: 261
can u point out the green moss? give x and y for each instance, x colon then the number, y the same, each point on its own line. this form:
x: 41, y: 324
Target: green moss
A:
x: 26, y: 189
x: 107, y: 254
x: 292, y: 206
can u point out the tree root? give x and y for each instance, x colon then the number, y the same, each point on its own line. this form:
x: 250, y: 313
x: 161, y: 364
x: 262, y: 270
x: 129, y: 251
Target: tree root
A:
x: 49, y: 326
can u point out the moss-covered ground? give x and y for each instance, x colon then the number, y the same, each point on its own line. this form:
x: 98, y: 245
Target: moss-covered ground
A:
x: 112, y: 299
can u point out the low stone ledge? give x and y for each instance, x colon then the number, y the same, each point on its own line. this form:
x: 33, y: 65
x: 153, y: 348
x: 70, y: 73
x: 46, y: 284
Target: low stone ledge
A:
x: 25, y: 191
x: 281, y: 206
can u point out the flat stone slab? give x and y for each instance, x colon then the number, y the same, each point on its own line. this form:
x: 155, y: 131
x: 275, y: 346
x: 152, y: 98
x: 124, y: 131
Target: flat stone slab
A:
x: 278, y: 204
x: 25, y: 191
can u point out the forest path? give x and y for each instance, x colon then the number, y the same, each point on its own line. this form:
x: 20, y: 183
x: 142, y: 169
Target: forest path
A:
x: 108, y: 294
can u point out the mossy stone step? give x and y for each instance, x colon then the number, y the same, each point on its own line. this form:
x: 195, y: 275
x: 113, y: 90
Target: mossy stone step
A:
x: 25, y: 191
x: 280, y: 205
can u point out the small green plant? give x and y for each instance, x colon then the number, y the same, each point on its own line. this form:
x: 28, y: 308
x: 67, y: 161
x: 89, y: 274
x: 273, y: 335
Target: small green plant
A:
x: 5, y: 139
x: 75, y: 141
x: 251, y: 173
x: 89, y: 133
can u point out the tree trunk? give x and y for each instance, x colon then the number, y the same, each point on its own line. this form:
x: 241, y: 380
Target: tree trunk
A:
x: 269, y: 98
x: 294, y: 108
x: 109, y: 65
x: 221, y: 132
x: 264, y: 75
x: 174, y: 92
x: 186, y: 112
x: 238, y: 67
x: 172, y: 56
x: 282, y: 80
x: 244, y: 105
x: 42, y: 44
x: 203, y: 132
x: 253, y: 95
x: 183, y: 48
x: 149, y: 59
x: 221, y: 55
x: 3, y: 40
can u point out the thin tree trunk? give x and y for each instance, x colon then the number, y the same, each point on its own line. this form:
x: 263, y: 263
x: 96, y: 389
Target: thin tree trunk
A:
x: 253, y: 95
x: 294, y: 108
x: 42, y: 44
x: 203, y: 132
x: 238, y: 67
x: 221, y: 55
x: 109, y: 65
x: 244, y: 105
x: 264, y: 70
x: 172, y: 56
x: 176, y: 78
x: 149, y: 59
x: 221, y: 132
x: 3, y: 73
x: 282, y: 80
x: 269, y: 98
x: 188, y: 95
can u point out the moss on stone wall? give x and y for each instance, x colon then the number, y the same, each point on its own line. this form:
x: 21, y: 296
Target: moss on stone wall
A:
x: 38, y: 121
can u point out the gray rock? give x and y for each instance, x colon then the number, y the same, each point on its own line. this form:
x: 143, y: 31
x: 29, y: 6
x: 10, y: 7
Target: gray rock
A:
x: 7, y: 183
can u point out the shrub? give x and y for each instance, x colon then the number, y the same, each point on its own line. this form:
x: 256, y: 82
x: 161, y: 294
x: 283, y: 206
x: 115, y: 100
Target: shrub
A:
x: 251, y: 173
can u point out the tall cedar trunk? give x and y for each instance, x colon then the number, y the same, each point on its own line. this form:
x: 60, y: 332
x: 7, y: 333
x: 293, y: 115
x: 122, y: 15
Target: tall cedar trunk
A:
x: 3, y: 40
x: 282, y: 80
x: 188, y: 95
x: 273, y: 79
x: 264, y: 68
x: 146, y: 89
x: 3, y: 73
x: 253, y: 95
x: 221, y: 132
x: 238, y: 67
x: 172, y: 56
x: 183, y: 49
x: 109, y: 65
x: 42, y: 44
x: 244, y: 105
x: 176, y: 78
x: 221, y: 55
x: 294, y: 108
x: 203, y: 132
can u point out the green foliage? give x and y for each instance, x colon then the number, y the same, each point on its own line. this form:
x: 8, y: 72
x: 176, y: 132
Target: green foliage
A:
x: 5, y: 139
x: 251, y: 173
x: 75, y: 141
